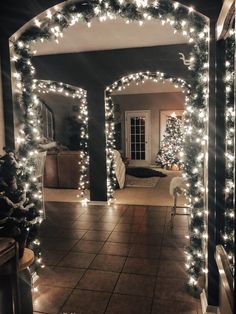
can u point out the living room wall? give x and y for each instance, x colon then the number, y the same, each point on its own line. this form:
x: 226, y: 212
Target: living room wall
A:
x: 63, y: 109
x: 153, y: 102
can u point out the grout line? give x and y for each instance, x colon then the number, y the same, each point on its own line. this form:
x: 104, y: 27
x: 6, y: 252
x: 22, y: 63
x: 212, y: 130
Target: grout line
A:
x: 158, y: 265
x: 85, y: 272
x: 113, y: 290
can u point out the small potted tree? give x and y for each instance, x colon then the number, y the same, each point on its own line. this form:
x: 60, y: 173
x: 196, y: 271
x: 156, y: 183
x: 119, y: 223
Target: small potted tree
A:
x: 15, y: 220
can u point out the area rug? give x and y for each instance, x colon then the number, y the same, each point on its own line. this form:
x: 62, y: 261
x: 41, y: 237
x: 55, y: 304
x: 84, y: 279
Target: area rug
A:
x: 134, y: 182
x: 156, y: 196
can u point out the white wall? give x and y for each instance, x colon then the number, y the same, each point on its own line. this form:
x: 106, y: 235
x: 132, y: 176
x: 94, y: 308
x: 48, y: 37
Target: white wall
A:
x: 2, y: 129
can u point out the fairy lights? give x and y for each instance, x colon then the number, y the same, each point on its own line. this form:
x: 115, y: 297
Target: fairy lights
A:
x: 183, y: 20
x: 228, y: 235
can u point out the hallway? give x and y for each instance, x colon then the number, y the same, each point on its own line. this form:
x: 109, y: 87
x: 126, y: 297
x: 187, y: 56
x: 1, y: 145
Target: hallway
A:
x: 113, y: 259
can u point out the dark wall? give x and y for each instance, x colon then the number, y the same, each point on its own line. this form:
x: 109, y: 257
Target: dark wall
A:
x: 102, y: 68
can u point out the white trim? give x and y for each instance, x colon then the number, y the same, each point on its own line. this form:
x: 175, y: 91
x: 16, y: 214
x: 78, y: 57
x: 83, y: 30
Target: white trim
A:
x: 100, y: 203
x: 224, y: 18
x: 207, y: 309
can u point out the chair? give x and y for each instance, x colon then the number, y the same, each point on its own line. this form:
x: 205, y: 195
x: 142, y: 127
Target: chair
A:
x: 177, y: 188
x: 39, y: 174
x: 119, y: 169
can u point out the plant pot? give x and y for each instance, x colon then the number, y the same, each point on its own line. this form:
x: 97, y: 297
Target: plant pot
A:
x: 22, y: 241
x: 21, y: 246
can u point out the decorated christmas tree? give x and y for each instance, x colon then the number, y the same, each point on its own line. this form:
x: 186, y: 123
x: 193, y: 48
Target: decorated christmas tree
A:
x: 172, y: 144
x: 19, y: 217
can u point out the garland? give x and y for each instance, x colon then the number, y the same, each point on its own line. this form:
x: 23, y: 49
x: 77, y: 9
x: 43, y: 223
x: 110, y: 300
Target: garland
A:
x: 228, y: 235
x: 184, y: 20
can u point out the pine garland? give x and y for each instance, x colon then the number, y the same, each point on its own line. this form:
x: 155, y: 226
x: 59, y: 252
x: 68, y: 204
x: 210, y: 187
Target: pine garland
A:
x: 229, y: 233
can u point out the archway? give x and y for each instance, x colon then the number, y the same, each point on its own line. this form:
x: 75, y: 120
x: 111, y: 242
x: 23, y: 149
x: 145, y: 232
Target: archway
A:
x: 185, y: 20
x: 46, y: 86
x: 122, y: 84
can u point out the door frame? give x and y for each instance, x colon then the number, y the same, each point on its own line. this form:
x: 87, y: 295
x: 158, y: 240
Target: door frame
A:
x: 148, y: 139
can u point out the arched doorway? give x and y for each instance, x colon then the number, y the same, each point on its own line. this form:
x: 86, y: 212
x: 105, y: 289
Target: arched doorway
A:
x: 122, y: 84
x: 80, y: 120
x: 192, y: 25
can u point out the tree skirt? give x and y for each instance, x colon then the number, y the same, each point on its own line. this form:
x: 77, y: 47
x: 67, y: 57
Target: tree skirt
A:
x: 131, y: 181
x: 144, y: 172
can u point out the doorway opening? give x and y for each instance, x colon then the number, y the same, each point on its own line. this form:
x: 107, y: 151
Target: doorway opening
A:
x: 137, y: 129
x: 64, y: 127
x: 183, y: 20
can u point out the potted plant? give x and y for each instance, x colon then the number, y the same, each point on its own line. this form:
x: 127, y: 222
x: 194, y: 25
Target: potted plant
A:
x: 14, y: 205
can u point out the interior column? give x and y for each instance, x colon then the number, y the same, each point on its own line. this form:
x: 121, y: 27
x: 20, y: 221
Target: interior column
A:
x: 212, y: 280
x: 97, y: 144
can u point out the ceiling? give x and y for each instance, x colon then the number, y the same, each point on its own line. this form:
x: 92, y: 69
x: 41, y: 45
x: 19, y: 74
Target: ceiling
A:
x: 108, y: 35
x: 148, y: 87
x: 54, y: 100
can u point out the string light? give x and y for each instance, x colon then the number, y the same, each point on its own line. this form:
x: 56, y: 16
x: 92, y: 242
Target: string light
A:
x: 228, y: 235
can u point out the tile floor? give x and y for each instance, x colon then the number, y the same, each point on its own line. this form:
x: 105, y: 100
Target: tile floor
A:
x: 112, y: 259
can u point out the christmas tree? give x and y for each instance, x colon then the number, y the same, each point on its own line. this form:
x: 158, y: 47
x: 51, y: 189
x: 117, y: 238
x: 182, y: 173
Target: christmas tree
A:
x: 172, y: 144
x: 18, y: 213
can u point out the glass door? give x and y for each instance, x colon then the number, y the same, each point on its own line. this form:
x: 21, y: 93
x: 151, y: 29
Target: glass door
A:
x: 137, y: 137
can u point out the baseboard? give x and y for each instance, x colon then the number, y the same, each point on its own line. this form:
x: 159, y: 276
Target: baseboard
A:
x: 207, y: 309
x: 101, y: 203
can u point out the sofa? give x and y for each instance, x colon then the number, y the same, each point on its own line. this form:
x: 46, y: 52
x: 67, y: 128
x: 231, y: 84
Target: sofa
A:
x: 62, y: 170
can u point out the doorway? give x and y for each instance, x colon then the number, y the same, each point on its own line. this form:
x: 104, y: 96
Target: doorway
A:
x: 137, y: 135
